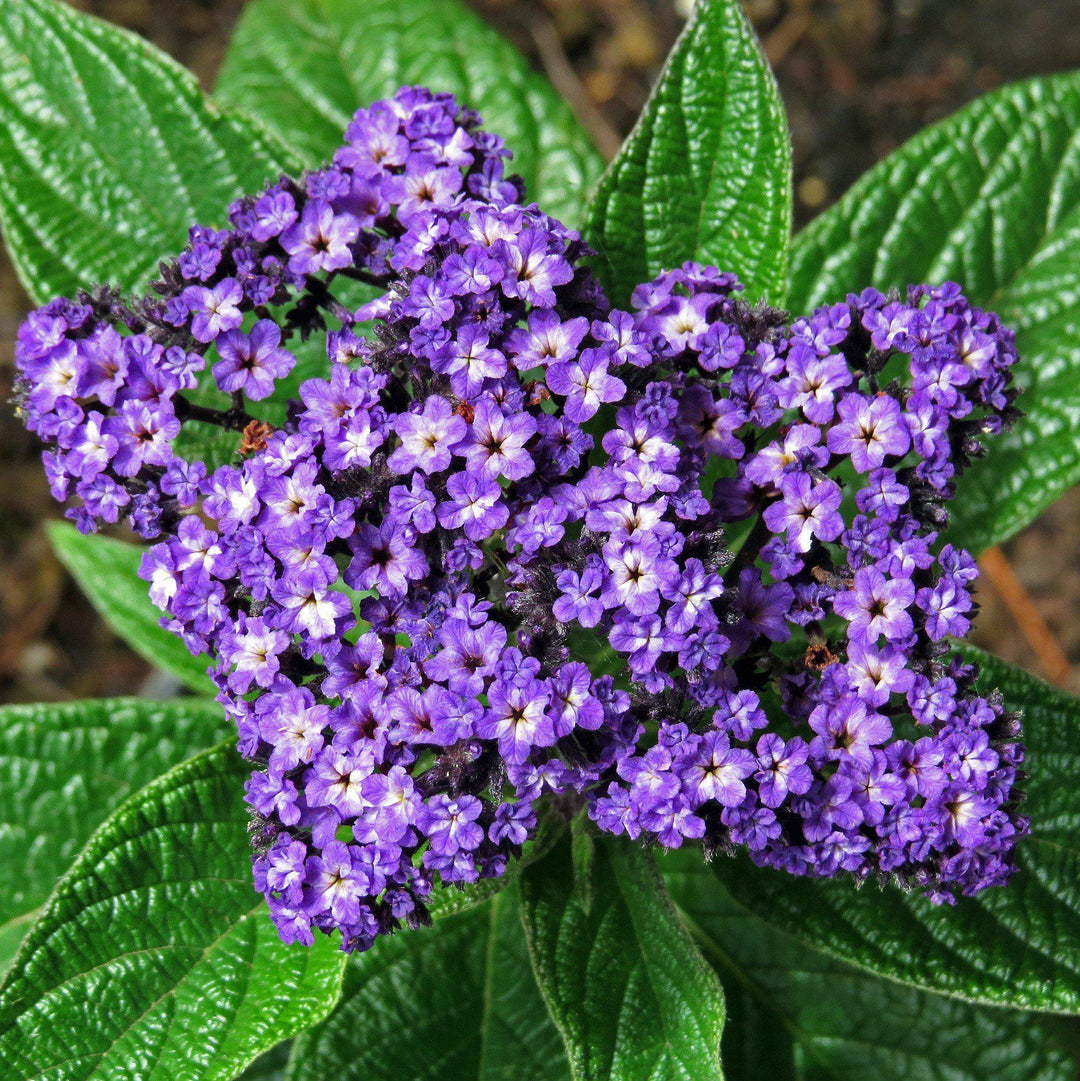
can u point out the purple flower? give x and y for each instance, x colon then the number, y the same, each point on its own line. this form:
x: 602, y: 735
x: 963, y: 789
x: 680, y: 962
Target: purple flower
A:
x: 577, y: 600
x: 636, y: 571
x: 214, y: 310
x: 309, y: 606
x: 294, y: 728
x: 253, y: 651
x: 869, y: 431
x: 424, y: 184
x: 143, y: 437
x: 875, y: 675
x: 336, y: 779
x: 782, y: 769
x: 533, y: 271
x: 337, y: 883
x: 414, y: 505
x: 475, y: 505
x: 547, y: 341
x: 468, y: 654
x: 275, y: 211
x: 946, y: 606
x: 847, y: 729
x: 812, y: 383
x: 385, y: 559
x: 573, y: 705
x: 585, y: 383
x: 320, y: 240
x: 799, y: 446
x: 252, y: 362
x: 396, y: 803
x: 517, y: 716
x: 806, y: 510
x: 876, y: 606
x: 450, y: 824
x: 428, y: 439
x: 497, y: 443
x: 643, y: 639
x: 469, y: 361
x: 717, y: 772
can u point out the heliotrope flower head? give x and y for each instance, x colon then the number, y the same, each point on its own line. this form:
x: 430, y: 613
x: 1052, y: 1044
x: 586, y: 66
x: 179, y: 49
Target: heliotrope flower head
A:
x: 414, y: 579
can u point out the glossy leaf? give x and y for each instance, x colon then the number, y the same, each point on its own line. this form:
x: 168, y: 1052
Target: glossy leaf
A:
x: 794, y: 1013
x: 155, y: 958
x: 989, y: 198
x: 706, y: 172
x: 452, y: 1002
x: 629, y: 990
x: 1018, y: 945
x: 64, y: 768
x: 108, y: 151
x: 305, y: 66
x: 107, y: 572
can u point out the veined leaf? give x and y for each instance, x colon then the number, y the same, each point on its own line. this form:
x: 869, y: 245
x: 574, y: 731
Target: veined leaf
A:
x: 305, y: 66
x: 455, y: 1002
x: 155, y: 957
x: 627, y: 987
x: 991, y: 199
x: 64, y: 768
x: 706, y: 173
x: 108, y: 151
x: 794, y: 1013
x: 107, y: 572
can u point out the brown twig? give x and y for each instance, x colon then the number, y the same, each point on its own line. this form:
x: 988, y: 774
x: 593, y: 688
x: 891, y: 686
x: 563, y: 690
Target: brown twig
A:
x: 786, y: 35
x: 565, y: 80
x: 1033, y: 627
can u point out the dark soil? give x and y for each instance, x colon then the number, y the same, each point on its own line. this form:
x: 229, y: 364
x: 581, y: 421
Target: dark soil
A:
x: 858, y: 78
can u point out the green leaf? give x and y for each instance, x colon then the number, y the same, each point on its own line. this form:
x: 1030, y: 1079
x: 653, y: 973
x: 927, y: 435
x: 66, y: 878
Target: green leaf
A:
x: 108, y: 151
x: 453, y: 1001
x: 64, y: 769
x: 990, y: 198
x: 107, y: 572
x: 631, y: 994
x: 1018, y: 945
x: 794, y: 1013
x: 155, y: 957
x: 305, y: 66
x: 706, y: 173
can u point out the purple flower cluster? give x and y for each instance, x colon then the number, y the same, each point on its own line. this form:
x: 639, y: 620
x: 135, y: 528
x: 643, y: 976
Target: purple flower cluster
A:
x: 804, y: 698
x: 412, y: 586
x: 109, y: 384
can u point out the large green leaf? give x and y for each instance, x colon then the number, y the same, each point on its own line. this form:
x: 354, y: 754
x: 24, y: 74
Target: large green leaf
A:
x: 305, y: 66
x: 794, y: 1013
x: 454, y: 1002
x: 64, y: 769
x: 990, y: 198
x: 629, y: 990
x: 108, y: 151
x: 706, y: 173
x: 107, y: 572
x: 155, y: 958
x: 1018, y: 945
